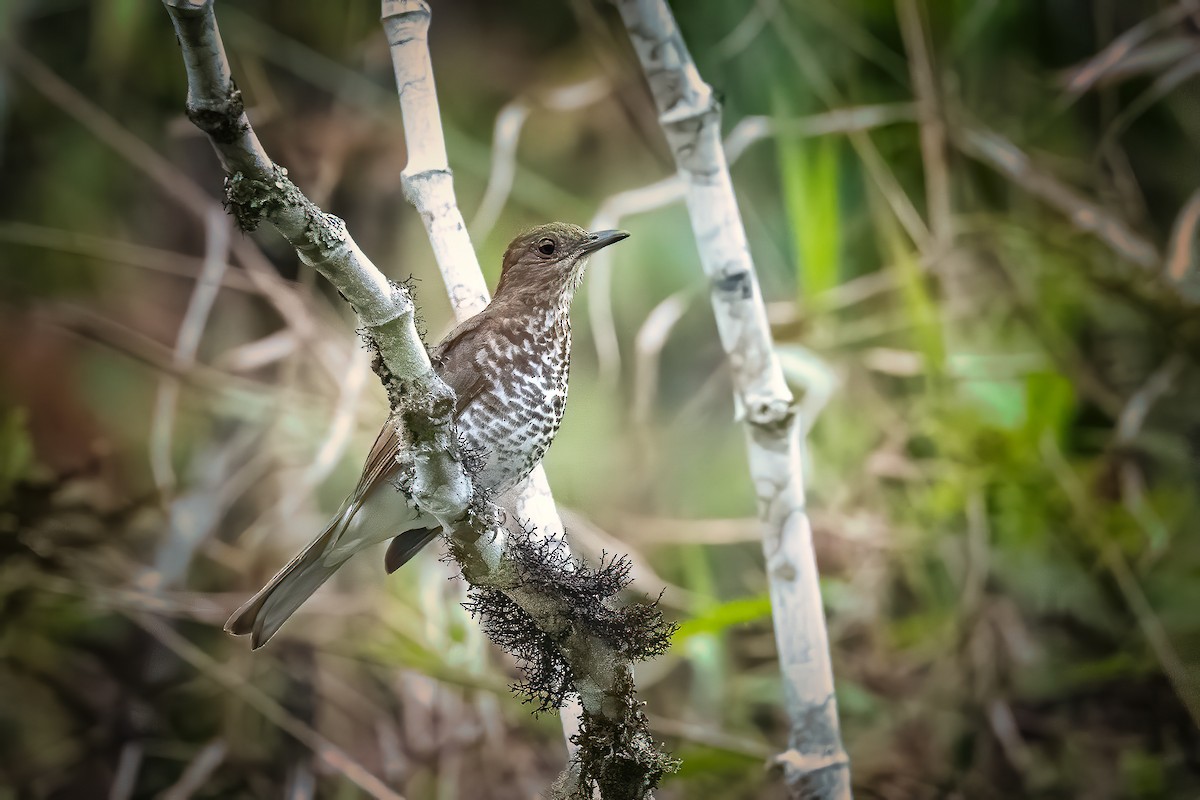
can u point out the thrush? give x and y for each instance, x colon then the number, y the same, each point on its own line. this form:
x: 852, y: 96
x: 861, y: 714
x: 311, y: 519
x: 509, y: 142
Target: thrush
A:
x: 508, y: 367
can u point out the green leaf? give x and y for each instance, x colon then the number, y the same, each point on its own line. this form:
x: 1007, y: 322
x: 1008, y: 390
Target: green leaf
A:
x: 810, y: 173
x: 723, y: 616
x: 917, y: 300
x: 1050, y: 405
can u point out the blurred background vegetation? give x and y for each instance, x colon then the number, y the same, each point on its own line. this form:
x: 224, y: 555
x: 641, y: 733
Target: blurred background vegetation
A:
x: 990, y: 314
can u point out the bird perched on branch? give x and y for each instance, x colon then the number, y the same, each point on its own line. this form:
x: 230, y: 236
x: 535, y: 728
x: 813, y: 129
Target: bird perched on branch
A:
x: 508, y: 367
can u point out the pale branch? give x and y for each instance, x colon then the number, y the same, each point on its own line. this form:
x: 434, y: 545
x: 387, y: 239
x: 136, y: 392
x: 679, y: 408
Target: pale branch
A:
x: 427, y: 179
x: 816, y: 766
x: 613, y: 750
x: 429, y: 186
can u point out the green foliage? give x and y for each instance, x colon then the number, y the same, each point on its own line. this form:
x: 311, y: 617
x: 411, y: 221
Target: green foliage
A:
x: 810, y: 176
x: 722, y: 617
x: 16, y: 451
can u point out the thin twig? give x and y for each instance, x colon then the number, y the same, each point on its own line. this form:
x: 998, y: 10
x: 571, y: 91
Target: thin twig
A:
x: 207, y: 760
x: 113, y: 251
x: 747, y: 30
x: 1129, y: 425
x: 648, y: 346
x: 251, y: 356
x: 933, y: 126
x: 191, y: 329
x: 851, y: 119
x: 711, y: 737
x: 1005, y: 157
x: 1181, y: 678
x: 89, y: 325
x: 129, y: 764
x: 1181, y: 252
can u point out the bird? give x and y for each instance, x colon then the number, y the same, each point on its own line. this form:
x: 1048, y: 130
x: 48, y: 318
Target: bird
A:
x: 508, y: 366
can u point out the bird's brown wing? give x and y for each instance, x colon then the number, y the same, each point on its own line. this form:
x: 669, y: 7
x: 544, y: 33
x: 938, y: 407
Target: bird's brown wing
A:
x: 380, y: 461
x: 454, y: 360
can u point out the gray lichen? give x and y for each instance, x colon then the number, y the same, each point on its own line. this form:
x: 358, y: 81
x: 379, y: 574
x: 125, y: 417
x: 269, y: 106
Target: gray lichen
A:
x: 250, y: 199
x: 555, y: 640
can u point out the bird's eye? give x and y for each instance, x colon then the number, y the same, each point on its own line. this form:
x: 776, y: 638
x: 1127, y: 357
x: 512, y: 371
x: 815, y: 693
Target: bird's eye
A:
x: 546, y: 247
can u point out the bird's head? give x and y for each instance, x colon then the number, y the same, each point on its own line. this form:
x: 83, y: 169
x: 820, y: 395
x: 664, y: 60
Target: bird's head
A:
x: 544, y: 265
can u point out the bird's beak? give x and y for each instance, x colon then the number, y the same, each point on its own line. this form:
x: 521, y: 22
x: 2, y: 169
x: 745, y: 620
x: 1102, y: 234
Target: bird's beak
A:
x: 602, y: 239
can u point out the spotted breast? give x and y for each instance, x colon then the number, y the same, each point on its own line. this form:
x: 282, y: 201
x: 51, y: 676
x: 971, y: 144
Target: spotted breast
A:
x: 515, y: 403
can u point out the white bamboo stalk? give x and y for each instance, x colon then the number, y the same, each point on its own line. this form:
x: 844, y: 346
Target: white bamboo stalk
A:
x: 816, y: 765
x: 429, y: 186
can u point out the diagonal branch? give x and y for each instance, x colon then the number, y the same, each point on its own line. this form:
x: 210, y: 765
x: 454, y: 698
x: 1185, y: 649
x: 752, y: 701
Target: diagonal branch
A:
x: 816, y: 765
x: 1006, y: 158
x: 555, y: 613
x: 256, y: 190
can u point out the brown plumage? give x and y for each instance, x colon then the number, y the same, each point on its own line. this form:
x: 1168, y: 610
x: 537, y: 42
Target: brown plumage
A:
x: 508, y: 367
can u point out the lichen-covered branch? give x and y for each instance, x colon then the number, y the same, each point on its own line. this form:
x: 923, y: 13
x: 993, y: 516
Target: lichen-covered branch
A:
x: 816, y: 765
x: 257, y: 190
x: 557, y: 614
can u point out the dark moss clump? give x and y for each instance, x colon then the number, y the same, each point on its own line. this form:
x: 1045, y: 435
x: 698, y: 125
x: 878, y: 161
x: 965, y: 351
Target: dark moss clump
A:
x: 584, y: 606
x: 618, y: 755
x: 576, y: 605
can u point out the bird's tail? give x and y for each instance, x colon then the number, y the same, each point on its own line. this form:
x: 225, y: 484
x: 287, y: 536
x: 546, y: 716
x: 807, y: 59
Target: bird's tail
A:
x: 262, y: 615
